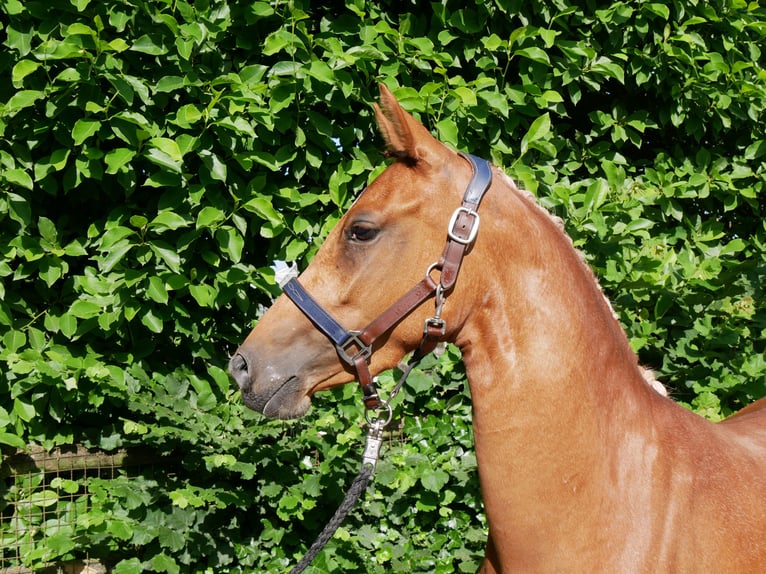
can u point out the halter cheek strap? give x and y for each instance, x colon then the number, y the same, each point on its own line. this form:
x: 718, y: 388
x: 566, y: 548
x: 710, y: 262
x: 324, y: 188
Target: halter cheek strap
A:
x: 355, y: 347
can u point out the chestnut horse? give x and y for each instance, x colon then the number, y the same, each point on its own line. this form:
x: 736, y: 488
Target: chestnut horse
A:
x: 583, y: 466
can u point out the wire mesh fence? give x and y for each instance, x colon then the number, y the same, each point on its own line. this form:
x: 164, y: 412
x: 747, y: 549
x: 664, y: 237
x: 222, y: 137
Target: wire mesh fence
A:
x: 42, y: 495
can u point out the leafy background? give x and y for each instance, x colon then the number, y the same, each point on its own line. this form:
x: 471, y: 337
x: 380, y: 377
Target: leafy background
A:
x: 156, y: 157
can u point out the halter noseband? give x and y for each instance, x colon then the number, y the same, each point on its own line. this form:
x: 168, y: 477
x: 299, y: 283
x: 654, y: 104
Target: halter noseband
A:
x: 355, y: 347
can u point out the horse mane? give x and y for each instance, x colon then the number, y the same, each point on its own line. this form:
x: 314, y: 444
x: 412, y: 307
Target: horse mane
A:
x: 646, y: 373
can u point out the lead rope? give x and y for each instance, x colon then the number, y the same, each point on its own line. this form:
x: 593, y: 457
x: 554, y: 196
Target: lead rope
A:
x: 355, y: 491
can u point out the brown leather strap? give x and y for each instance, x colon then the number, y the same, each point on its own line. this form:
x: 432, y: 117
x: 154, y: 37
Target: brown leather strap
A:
x: 398, y: 311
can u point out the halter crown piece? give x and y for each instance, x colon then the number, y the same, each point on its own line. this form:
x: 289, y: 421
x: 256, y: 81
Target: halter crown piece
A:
x: 355, y: 346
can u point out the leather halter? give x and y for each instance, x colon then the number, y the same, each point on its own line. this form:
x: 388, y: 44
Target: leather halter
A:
x: 355, y: 347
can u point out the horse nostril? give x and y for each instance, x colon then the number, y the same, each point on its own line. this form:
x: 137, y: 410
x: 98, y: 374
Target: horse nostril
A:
x: 239, y: 371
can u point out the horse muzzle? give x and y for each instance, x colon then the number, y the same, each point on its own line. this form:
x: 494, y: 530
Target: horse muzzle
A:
x: 269, y: 394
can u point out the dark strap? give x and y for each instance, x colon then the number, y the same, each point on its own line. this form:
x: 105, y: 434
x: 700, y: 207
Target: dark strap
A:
x: 465, y: 221
x: 479, y: 184
x: 355, y: 347
x: 322, y: 320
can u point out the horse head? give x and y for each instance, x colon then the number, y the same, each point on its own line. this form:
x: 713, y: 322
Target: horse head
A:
x: 390, y: 237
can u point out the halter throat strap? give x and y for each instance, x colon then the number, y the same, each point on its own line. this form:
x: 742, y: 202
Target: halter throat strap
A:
x: 354, y: 347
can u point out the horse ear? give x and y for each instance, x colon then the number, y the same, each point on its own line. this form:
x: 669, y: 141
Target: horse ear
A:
x: 405, y: 136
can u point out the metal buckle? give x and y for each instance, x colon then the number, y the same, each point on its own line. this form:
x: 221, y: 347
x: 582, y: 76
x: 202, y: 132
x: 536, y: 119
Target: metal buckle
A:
x: 353, y: 340
x: 474, y: 226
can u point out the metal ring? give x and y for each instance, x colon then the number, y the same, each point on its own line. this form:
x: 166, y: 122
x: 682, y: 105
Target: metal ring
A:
x: 435, y: 265
x: 382, y: 404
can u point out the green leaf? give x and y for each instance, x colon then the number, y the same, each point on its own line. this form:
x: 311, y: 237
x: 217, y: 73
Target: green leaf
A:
x: 21, y: 100
x: 448, y: 132
x: 118, y: 158
x: 169, y: 84
x: 534, y: 53
x: 231, y: 242
x: 216, y: 168
x: 47, y: 230
x: 129, y: 566
x: 609, y: 69
x: 156, y: 290
x: 496, y: 101
x: 162, y: 159
x: 167, y: 146
x: 12, y: 440
x: 539, y: 130
x: 19, y: 177
x: 168, y: 220
x: 120, y: 529
x: 188, y: 115
x: 262, y: 207
x: 61, y: 542
x: 203, y: 294
x: 220, y: 460
x: 21, y: 70
x: 171, y: 538
x: 68, y: 325
x: 262, y: 9
x: 13, y: 340
x: 734, y: 246
x: 321, y: 71
x: 596, y: 195
x: 23, y: 410
x: 57, y: 161
x: 114, y: 255
x: 163, y: 563
x: 209, y: 216
x: 638, y: 224
x: 434, y: 479
x: 85, y: 309
x: 658, y: 9
x: 238, y: 125
x: 419, y: 382
x: 206, y: 399
x: 113, y: 235
x: 167, y: 254
x: 151, y: 321
x: 83, y: 129
x: 149, y: 45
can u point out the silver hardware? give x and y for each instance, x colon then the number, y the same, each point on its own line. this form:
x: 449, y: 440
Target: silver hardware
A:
x: 353, y: 341
x: 436, y: 321
x: 474, y: 226
x: 375, y: 437
x: 374, y: 420
x: 435, y: 265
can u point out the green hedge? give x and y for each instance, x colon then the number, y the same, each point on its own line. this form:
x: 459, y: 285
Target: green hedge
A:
x: 157, y: 157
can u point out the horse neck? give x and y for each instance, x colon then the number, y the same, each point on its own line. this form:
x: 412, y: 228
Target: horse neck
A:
x: 550, y: 369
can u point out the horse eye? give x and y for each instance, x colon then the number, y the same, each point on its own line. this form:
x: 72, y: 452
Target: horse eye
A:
x: 362, y: 233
